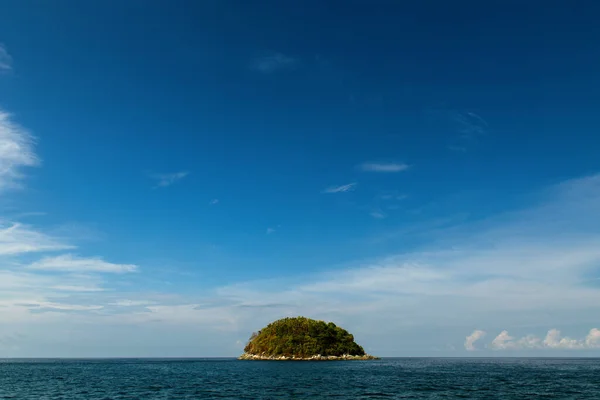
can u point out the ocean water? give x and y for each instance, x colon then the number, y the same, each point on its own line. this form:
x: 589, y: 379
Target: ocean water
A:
x: 425, y: 378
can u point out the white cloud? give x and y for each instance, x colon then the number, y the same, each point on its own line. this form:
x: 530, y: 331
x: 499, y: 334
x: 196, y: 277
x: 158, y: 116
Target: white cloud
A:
x: 341, y: 189
x: 214, y: 202
x: 529, y: 342
x: 16, y: 152
x: 502, y: 341
x: 273, y: 63
x: 17, y: 238
x: 592, y: 340
x: 72, y: 263
x: 270, y: 230
x: 384, y: 167
x: 552, y: 341
x: 5, y: 59
x: 164, y: 180
x: 472, y: 338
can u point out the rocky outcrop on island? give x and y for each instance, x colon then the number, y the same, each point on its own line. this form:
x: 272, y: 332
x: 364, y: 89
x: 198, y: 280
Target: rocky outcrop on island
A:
x: 318, y: 357
x: 303, y: 339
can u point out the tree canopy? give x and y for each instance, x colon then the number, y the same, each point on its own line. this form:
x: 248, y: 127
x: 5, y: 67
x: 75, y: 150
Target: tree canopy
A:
x: 303, y: 337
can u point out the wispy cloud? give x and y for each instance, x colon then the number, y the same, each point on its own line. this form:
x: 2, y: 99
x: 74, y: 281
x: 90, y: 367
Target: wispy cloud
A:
x: 383, y: 167
x: 272, y: 63
x: 16, y: 152
x: 76, y: 288
x: 164, y: 180
x: 459, y: 149
x: 5, y: 59
x: 468, y: 127
x: 341, y: 189
x: 72, y: 263
x: 45, y: 305
x: 28, y: 214
x: 472, y: 338
x: 214, y: 202
x: 41, y: 285
x: 16, y: 238
x: 392, y: 196
x: 470, y: 124
x: 36, y: 294
x: 132, y: 303
x: 270, y: 230
x: 377, y: 214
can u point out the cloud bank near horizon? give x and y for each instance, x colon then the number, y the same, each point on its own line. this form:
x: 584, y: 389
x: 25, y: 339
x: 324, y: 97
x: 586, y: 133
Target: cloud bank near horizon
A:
x: 552, y: 341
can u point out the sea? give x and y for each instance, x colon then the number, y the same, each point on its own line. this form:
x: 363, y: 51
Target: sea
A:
x: 391, y: 378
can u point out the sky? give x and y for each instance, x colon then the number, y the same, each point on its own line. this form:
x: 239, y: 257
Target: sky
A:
x: 176, y: 175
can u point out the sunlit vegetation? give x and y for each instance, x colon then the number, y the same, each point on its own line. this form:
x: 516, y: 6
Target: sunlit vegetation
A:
x: 303, y: 337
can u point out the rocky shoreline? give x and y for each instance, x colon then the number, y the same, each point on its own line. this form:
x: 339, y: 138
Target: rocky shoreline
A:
x: 318, y: 357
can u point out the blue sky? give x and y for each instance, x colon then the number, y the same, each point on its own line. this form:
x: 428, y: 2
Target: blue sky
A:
x: 175, y: 176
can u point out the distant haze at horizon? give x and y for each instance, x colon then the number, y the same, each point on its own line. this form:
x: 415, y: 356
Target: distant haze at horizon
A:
x: 173, y: 177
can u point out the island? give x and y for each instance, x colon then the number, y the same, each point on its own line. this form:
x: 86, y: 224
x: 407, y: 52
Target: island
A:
x: 303, y: 339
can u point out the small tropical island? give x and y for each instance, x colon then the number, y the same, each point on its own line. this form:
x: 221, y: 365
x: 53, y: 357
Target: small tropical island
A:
x: 303, y: 339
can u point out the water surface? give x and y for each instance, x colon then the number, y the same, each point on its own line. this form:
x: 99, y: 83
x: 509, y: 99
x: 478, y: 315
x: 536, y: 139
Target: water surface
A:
x: 399, y: 378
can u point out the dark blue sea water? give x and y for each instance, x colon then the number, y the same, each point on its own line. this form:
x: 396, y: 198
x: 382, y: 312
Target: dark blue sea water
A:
x: 425, y: 378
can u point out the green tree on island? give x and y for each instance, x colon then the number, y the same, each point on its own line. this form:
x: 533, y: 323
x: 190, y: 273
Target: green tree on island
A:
x: 302, y: 337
